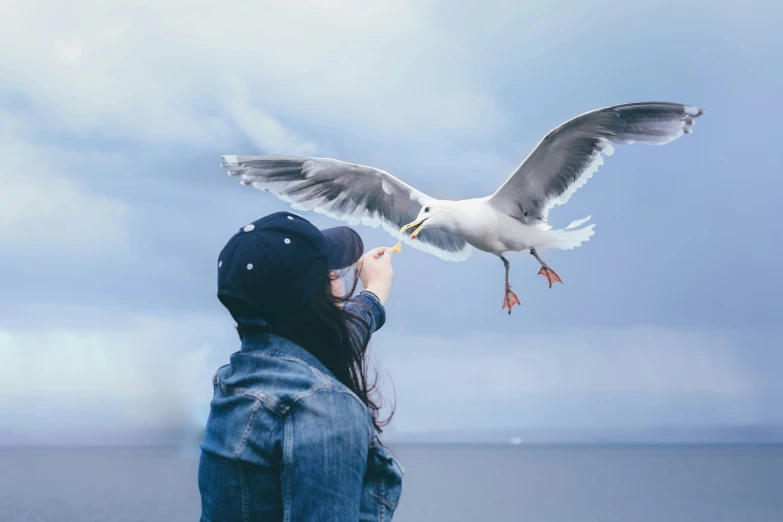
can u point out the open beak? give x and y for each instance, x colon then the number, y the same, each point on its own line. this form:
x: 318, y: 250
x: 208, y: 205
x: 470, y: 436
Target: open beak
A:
x: 420, y: 223
x: 409, y: 226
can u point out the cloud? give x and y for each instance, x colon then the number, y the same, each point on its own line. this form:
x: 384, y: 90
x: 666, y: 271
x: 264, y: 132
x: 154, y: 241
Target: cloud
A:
x: 145, y: 374
x: 41, y: 209
x: 67, y: 51
x: 263, y: 130
x: 646, y: 359
x: 118, y: 248
x: 151, y: 375
x: 188, y: 72
x: 579, y: 378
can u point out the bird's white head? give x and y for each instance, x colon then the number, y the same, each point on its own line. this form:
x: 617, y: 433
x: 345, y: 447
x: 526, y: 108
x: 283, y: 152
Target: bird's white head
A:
x: 431, y: 215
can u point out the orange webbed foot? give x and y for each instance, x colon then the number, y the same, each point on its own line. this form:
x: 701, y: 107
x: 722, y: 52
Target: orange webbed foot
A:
x: 551, y: 275
x: 510, y: 300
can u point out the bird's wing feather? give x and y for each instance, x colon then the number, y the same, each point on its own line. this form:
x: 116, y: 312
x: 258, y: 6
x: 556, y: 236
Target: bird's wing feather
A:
x: 348, y: 192
x: 570, y: 154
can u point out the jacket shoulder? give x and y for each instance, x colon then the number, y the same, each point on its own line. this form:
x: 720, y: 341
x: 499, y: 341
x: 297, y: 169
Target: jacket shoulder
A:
x: 277, y: 378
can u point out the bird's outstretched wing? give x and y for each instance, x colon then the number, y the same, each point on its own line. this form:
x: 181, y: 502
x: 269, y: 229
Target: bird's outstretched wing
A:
x: 569, y: 154
x: 348, y: 192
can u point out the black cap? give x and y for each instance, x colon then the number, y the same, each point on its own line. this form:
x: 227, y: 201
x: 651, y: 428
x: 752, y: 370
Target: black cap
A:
x: 277, y: 263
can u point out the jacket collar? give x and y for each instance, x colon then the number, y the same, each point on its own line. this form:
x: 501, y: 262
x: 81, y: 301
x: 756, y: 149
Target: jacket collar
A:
x: 265, y: 341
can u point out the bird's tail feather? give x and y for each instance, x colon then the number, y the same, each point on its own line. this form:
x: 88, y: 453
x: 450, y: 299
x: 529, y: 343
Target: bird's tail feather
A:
x: 568, y: 238
x: 578, y: 223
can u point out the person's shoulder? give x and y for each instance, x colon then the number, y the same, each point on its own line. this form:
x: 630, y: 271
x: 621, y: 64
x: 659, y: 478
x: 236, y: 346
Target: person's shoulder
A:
x: 329, y: 396
x: 281, y: 375
x: 332, y: 412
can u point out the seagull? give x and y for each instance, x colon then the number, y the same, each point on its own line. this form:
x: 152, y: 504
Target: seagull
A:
x: 513, y: 219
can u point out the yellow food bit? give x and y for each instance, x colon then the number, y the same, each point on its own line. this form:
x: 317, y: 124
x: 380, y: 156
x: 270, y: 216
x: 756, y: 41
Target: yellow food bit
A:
x: 398, y: 247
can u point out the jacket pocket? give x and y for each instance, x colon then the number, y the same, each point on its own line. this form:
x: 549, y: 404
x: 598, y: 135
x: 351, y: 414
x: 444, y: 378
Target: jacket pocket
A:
x: 386, y: 477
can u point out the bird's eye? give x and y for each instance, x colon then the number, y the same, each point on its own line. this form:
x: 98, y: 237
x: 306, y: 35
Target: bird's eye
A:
x: 426, y: 209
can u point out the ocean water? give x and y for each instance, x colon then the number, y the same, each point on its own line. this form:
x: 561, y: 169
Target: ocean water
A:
x: 442, y: 483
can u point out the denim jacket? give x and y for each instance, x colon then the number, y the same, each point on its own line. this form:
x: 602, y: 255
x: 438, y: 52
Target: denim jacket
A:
x: 286, y: 441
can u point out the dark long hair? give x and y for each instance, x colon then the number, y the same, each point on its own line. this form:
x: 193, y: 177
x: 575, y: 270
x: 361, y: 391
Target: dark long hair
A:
x: 337, y: 338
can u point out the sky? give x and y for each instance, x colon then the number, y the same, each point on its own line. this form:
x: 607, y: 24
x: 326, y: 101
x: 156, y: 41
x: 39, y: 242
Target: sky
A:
x: 113, y: 206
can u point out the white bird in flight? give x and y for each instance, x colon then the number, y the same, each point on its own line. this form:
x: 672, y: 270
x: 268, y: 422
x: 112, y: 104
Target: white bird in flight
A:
x: 512, y: 219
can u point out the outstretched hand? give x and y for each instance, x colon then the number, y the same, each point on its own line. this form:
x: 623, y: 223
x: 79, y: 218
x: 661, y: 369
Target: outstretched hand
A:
x: 376, y: 273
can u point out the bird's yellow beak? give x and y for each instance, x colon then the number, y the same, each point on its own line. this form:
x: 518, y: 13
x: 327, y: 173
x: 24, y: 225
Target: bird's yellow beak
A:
x: 398, y: 247
x: 409, y: 226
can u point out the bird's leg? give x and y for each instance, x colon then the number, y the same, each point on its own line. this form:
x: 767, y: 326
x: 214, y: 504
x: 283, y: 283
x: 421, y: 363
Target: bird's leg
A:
x: 545, y: 271
x: 510, y: 299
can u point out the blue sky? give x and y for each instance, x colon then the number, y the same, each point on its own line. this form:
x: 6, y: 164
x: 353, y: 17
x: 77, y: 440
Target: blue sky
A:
x: 113, y: 205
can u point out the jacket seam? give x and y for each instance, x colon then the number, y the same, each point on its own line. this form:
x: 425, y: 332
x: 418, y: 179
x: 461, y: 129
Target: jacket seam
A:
x: 245, y: 493
x: 315, y: 389
x: 264, y: 398
x: 318, y: 373
x: 245, y: 434
x: 287, y: 457
x: 278, y: 406
x: 367, y: 308
x: 381, y: 310
x: 288, y: 441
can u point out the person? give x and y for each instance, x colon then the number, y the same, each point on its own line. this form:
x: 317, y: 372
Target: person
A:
x: 293, y: 429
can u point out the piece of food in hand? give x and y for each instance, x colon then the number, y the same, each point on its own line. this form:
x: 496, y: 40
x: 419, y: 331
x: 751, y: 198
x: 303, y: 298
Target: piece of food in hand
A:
x: 398, y: 247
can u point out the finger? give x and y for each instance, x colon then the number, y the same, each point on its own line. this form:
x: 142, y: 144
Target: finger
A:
x: 387, y: 256
x: 378, y: 252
